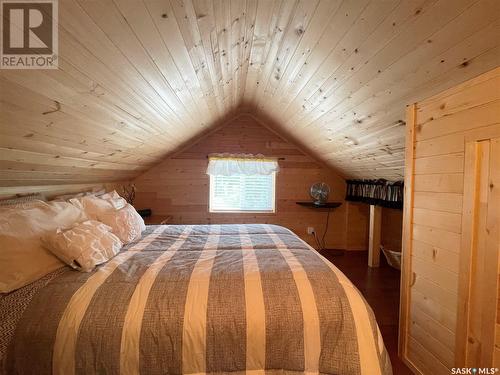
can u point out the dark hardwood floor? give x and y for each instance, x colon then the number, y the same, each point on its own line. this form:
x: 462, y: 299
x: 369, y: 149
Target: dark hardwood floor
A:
x: 380, y: 287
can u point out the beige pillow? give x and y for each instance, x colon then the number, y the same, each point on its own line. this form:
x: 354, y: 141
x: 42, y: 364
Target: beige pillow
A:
x: 83, y: 246
x: 23, y: 259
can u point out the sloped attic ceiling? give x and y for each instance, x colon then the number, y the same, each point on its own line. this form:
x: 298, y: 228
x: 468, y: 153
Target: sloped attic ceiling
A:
x: 138, y: 79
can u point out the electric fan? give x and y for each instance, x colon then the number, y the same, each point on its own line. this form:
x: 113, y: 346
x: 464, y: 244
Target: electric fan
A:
x: 319, y: 192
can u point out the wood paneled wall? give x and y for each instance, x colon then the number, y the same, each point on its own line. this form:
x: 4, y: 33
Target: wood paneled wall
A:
x: 392, y: 228
x: 437, y: 132
x: 179, y: 186
x: 357, y: 227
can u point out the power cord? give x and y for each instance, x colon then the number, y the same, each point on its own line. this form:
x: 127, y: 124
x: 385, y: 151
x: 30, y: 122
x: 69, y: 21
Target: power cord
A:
x: 318, y: 244
x: 326, y: 230
x: 321, y: 243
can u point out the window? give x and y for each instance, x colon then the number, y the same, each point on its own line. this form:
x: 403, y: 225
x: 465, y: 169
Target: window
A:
x: 242, y: 193
x: 242, y: 183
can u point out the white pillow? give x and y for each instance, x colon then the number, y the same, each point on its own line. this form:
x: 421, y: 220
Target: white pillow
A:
x: 115, y: 199
x: 23, y: 259
x: 68, y: 197
x: 126, y: 223
x: 123, y: 219
x: 111, y: 195
x: 83, y: 246
x: 93, y: 206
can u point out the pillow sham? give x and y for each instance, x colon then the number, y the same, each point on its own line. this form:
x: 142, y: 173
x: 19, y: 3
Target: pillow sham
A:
x: 83, y: 246
x: 23, y: 259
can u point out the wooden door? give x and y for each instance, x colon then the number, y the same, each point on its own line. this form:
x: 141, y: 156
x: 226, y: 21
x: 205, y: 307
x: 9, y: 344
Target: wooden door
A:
x: 478, y: 321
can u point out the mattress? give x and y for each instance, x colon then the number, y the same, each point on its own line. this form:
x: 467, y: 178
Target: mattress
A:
x: 195, y: 299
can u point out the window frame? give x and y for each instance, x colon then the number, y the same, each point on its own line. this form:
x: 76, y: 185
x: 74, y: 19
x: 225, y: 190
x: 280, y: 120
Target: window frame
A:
x: 217, y: 211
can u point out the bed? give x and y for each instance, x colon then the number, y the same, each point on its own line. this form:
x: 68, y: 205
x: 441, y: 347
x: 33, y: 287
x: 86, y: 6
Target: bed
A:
x: 195, y: 299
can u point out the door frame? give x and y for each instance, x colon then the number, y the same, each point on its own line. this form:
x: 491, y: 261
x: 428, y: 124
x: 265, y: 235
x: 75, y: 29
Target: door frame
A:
x: 478, y: 264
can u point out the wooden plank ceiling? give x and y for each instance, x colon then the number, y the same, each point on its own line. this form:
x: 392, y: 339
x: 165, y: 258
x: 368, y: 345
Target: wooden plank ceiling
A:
x: 138, y: 79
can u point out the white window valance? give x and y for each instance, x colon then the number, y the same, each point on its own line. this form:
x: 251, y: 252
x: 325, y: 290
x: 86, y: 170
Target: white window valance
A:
x: 241, y: 164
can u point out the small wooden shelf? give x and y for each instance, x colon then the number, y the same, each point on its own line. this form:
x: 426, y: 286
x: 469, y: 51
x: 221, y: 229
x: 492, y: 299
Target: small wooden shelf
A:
x: 328, y: 205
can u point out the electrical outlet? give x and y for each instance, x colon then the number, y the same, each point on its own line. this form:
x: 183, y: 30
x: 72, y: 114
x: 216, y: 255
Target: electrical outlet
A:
x: 310, y: 230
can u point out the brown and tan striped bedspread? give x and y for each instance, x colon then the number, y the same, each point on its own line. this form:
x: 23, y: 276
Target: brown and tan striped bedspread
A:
x: 199, y: 299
